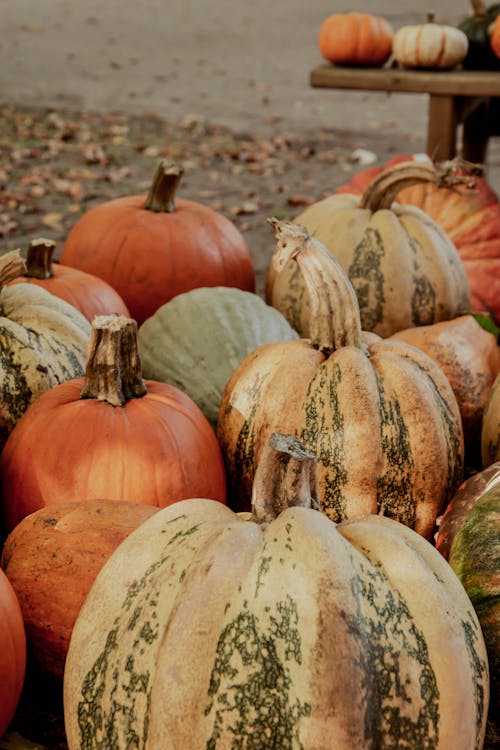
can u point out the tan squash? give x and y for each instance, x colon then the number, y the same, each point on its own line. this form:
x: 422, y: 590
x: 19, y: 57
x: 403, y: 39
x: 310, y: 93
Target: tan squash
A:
x: 279, y: 629
x: 429, y: 45
x: 380, y: 414
x: 490, y: 433
x: 404, y: 268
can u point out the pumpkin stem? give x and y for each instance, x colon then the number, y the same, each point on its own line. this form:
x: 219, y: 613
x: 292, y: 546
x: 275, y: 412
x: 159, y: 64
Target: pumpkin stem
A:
x: 11, y: 266
x: 334, y: 318
x: 39, y: 258
x: 430, y: 17
x: 479, y: 8
x: 382, y: 191
x: 161, y: 196
x: 113, y: 370
x: 285, y: 477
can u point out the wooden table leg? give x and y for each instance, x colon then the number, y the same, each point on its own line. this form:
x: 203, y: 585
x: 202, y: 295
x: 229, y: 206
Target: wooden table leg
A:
x: 442, y: 127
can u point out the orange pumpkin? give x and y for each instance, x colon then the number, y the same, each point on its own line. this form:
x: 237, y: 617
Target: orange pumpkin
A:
x: 355, y: 39
x: 89, y: 294
x: 151, y: 249
x: 111, y: 435
x: 495, y: 36
x: 470, y: 217
x: 12, y: 652
x: 52, y: 559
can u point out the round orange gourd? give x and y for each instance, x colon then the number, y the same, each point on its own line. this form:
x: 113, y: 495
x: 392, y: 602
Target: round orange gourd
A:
x: 111, y: 435
x: 12, y: 652
x: 88, y: 293
x: 355, y: 39
x: 495, y: 36
x: 471, y: 218
x: 152, y: 248
x: 52, y: 559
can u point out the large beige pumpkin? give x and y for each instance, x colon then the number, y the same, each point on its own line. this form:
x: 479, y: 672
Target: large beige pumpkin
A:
x: 380, y: 414
x: 207, y: 629
x: 43, y: 342
x: 404, y: 268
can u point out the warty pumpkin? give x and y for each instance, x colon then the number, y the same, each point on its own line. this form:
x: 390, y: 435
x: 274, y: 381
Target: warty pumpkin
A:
x: 490, y: 430
x: 404, y: 268
x: 429, y: 45
x: 52, y: 558
x: 43, y: 342
x: 89, y: 294
x: 380, y: 414
x: 470, y: 358
x: 12, y: 653
x: 110, y: 434
x: 151, y: 248
x: 470, y: 217
x: 320, y: 637
x: 355, y: 39
x: 196, y: 340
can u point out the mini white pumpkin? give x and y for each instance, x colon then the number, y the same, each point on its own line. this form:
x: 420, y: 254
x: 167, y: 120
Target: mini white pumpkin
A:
x: 429, y: 45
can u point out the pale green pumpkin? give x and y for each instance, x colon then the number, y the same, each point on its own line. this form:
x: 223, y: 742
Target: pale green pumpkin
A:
x: 197, y: 340
x: 210, y: 630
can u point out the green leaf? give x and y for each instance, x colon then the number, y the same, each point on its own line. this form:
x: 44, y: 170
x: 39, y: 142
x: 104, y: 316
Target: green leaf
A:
x: 486, y: 322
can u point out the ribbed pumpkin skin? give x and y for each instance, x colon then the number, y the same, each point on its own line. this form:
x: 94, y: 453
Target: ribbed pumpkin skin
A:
x: 475, y: 558
x: 470, y: 218
x: 386, y: 427
x: 12, y: 653
x: 319, y: 638
x: 490, y: 433
x: 151, y: 257
x: 155, y: 450
x: 89, y: 294
x: 52, y: 559
x: 429, y: 45
x: 469, y: 357
x: 196, y: 340
x: 403, y: 267
x: 43, y: 342
x: 355, y: 39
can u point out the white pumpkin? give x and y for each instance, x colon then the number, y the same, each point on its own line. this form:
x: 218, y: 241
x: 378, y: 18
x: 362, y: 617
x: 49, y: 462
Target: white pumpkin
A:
x: 429, y: 45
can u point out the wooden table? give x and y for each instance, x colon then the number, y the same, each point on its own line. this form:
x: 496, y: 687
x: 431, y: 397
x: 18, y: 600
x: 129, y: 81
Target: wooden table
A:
x: 470, y: 98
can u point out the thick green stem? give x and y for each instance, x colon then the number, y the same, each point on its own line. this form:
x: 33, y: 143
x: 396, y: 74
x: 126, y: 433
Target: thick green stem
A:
x: 382, y: 191
x: 285, y: 477
x: 479, y: 8
x: 11, y: 267
x: 39, y: 258
x: 113, y: 372
x: 334, y: 318
x: 161, y: 196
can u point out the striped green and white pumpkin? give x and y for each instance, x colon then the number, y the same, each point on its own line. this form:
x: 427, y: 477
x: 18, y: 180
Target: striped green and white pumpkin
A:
x: 490, y: 430
x: 380, y: 414
x: 405, y: 269
x: 209, y: 630
x: 43, y: 342
x: 196, y: 340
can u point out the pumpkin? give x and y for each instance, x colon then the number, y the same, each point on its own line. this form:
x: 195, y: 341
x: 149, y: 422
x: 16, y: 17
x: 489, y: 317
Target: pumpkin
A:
x: 196, y: 340
x: 52, y: 558
x: 469, y: 492
x: 480, y: 55
x: 111, y: 435
x: 380, y: 414
x: 12, y: 653
x: 429, y: 45
x: 470, y: 358
x: 471, y: 218
x: 490, y: 430
x: 152, y: 248
x: 43, y: 342
x: 404, y: 268
x: 319, y: 638
x: 355, y: 39
x: 89, y: 294
x: 495, y: 36
x: 475, y: 558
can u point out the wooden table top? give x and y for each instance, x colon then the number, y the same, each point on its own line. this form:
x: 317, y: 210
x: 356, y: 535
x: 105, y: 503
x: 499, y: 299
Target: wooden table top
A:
x: 443, y: 83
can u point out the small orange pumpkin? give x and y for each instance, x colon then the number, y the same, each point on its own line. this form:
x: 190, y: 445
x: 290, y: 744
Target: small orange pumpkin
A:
x: 88, y: 293
x: 12, y: 652
x: 355, y: 39
x: 495, y: 36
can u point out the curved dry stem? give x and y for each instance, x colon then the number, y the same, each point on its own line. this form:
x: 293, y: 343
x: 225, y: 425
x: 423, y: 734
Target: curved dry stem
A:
x: 161, y: 196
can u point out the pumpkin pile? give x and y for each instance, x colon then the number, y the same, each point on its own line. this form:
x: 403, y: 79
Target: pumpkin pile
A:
x: 236, y: 523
